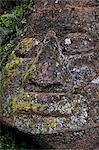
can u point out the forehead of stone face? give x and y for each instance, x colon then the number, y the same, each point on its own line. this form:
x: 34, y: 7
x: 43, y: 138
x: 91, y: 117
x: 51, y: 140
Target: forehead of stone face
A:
x: 76, y: 27
x: 70, y: 2
x: 63, y: 19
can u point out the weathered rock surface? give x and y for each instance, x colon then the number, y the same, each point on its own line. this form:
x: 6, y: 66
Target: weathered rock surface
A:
x: 50, y: 86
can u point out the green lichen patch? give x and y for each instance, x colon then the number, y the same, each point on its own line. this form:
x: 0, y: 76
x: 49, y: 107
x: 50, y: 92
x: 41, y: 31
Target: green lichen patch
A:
x: 25, y: 42
x: 12, y: 66
x: 32, y: 66
x: 75, y: 107
x: 24, y: 102
x: 24, y: 46
x: 49, y: 122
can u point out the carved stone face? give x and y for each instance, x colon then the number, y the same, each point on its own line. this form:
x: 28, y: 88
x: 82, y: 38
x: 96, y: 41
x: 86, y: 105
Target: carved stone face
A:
x: 48, y: 82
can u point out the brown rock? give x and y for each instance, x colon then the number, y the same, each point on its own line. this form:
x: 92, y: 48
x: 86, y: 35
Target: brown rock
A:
x: 50, y: 86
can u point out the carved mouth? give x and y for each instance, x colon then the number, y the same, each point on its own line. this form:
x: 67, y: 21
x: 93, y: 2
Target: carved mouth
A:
x: 53, y: 110
x: 45, y: 87
x: 51, y: 104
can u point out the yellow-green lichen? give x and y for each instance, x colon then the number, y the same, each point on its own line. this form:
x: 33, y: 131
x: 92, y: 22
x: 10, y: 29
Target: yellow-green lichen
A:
x: 12, y: 66
x: 49, y: 122
x: 77, y: 86
x: 75, y: 104
x: 75, y: 107
x: 32, y: 66
x: 25, y: 45
x: 22, y: 105
x: 25, y: 102
x: 24, y: 95
x: 10, y: 69
x: 37, y: 107
x: 13, y: 101
x: 25, y: 42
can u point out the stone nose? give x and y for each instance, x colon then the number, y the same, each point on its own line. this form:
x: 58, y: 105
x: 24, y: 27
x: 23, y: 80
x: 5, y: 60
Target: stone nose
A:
x: 46, y: 74
x: 47, y: 61
x: 45, y: 80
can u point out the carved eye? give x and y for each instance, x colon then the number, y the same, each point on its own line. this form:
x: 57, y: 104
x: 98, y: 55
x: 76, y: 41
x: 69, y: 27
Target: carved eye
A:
x: 27, y: 48
x: 77, y: 43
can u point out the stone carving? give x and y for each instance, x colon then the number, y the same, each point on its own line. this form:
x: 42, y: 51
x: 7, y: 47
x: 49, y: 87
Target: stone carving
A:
x: 50, y: 84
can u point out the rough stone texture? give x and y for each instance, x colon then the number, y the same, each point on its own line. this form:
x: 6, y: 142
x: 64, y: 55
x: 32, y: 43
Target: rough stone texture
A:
x: 50, y: 85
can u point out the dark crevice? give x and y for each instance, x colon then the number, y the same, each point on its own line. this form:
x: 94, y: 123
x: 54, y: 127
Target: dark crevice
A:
x: 42, y: 87
x: 19, y: 55
x: 76, y: 53
x: 45, y: 85
x: 30, y: 112
x: 71, y: 30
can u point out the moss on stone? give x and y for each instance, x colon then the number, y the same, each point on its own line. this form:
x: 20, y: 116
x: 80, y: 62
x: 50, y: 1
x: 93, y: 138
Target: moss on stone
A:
x: 12, y: 24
